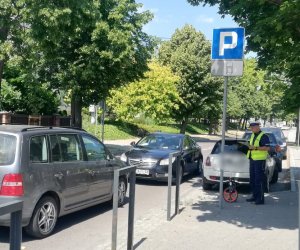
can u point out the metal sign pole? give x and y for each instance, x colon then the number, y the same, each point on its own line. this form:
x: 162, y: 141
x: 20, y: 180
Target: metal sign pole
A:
x: 132, y: 179
x: 178, y: 179
x: 115, y: 211
x: 223, y: 140
x: 298, y: 137
x: 169, y: 187
x: 298, y: 182
x: 102, y: 121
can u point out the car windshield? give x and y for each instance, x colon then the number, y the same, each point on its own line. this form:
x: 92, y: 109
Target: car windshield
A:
x: 7, y: 149
x: 234, y: 146
x: 160, y: 142
x: 276, y: 131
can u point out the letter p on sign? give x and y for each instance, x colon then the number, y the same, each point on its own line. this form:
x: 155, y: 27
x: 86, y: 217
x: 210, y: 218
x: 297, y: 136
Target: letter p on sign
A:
x: 223, y: 45
x: 228, y: 43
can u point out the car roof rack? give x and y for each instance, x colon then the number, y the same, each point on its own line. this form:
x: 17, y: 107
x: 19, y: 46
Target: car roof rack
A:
x: 51, y: 127
x: 32, y: 128
x: 76, y: 128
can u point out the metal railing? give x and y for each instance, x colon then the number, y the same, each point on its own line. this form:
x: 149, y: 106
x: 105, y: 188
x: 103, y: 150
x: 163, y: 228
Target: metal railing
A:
x: 178, y: 180
x: 131, y: 170
x: 14, y: 208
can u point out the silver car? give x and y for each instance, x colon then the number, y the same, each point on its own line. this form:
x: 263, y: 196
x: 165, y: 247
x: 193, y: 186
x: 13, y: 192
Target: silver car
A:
x: 55, y: 171
x: 234, y: 163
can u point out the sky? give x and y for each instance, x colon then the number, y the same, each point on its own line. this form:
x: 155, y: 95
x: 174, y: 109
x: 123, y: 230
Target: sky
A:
x: 172, y: 14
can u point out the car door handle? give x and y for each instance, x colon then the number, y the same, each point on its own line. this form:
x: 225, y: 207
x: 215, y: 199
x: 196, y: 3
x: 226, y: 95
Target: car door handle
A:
x: 59, y: 176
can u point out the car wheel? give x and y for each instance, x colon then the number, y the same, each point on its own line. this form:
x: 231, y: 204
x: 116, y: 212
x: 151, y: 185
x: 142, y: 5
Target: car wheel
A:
x: 122, y: 189
x: 199, y: 169
x: 44, y: 218
x: 205, y: 184
x: 275, y: 176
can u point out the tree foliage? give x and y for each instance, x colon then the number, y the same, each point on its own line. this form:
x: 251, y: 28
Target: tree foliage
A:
x: 272, y: 30
x: 20, y: 89
x: 255, y: 95
x: 155, y: 96
x: 188, y: 55
x: 88, y: 46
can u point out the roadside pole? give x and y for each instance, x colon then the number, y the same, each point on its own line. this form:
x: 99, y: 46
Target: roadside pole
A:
x: 298, y: 182
x: 102, y: 119
x: 223, y: 140
x: 298, y: 137
x: 227, y: 54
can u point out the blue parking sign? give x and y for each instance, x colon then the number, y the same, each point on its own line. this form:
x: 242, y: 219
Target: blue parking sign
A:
x: 228, y: 44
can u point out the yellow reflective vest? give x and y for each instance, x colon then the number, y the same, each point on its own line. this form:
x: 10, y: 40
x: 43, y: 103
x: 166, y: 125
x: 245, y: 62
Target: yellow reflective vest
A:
x: 257, y: 154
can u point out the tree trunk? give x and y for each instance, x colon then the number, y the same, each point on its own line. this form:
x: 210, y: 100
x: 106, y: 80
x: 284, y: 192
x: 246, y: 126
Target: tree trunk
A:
x: 1, y: 72
x: 184, y: 123
x: 240, y: 123
x: 210, y: 128
x: 76, y: 107
x: 298, y: 128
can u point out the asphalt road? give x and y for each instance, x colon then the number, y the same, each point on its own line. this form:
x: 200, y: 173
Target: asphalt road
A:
x: 91, y: 228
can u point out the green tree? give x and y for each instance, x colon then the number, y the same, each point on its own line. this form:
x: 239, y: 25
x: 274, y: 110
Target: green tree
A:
x: 88, y: 46
x: 272, y: 30
x: 254, y: 95
x: 188, y: 55
x: 11, y: 32
x: 155, y: 96
x: 19, y: 89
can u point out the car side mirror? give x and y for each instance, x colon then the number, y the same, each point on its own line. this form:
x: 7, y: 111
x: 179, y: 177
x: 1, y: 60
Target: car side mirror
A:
x: 132, y: 143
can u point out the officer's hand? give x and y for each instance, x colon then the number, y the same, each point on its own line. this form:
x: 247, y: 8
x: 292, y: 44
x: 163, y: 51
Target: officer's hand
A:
x: 251, y: 147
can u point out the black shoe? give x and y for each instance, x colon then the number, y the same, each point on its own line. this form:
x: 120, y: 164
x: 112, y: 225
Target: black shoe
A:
x: 250, y: 199
x: 259, y: 203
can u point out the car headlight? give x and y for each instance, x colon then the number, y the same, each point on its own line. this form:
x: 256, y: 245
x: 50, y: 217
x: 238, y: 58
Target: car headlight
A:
x: 166, y: 161
x: 123, y: 157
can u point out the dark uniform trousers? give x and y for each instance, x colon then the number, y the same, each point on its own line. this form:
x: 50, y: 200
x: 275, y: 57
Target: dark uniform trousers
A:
x: 257, y: 179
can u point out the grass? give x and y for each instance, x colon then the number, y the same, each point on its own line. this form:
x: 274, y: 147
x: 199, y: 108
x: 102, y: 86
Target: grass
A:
x: 117, y: 130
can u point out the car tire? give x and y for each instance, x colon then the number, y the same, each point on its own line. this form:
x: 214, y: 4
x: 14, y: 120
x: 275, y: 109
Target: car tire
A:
x: 199, y: 169
x: 122, y: 189
x: 275, y: 176
x: 44, y: 218
x: 205, y: 184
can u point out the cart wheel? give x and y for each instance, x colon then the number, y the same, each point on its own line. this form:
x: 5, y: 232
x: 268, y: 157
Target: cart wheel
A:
x: 230, y: 195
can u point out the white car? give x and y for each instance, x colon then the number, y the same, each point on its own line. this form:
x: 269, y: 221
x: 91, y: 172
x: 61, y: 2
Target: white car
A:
x: 235, y: 164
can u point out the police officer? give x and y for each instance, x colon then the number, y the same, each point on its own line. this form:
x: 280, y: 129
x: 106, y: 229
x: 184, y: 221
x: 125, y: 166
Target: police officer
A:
x: 257, y: 154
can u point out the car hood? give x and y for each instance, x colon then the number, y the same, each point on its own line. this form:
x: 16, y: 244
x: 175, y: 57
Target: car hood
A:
x: 144, y: 153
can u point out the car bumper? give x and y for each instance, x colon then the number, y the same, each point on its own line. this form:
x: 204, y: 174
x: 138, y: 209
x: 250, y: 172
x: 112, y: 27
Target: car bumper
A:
x: 159, y: 173
x: 214, y: 176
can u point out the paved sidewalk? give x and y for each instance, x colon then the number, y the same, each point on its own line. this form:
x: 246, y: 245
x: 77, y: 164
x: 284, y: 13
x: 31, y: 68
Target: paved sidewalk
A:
x: 201, y: 223
x: 241, y: 225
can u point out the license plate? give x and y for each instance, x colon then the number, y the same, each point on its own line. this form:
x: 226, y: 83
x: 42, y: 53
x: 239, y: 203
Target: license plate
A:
x: 142, y: 171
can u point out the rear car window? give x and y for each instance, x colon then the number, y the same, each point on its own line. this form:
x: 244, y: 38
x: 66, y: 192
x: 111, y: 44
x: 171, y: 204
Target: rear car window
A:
x: 231, y: 147
x: 7, y: 149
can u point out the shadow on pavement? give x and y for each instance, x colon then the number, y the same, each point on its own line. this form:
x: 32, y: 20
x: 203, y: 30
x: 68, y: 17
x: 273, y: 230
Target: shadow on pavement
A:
x: 279, y: 211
